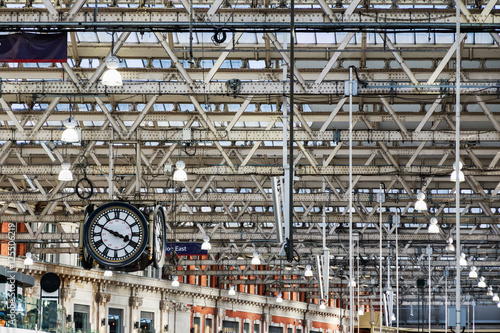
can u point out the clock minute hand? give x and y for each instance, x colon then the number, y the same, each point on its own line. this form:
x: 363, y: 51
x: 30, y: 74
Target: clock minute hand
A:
x: 117, y: 234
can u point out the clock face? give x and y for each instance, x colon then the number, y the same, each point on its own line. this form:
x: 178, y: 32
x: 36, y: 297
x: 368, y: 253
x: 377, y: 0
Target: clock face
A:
x: 116, y: 234
x: 159, y: 236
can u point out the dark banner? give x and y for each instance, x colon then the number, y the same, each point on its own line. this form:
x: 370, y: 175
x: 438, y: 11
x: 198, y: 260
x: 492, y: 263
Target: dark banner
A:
x: 23, y: 47
x: 185, y: 249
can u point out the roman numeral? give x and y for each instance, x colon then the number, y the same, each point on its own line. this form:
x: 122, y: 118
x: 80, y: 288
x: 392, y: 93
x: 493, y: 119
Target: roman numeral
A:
x: 136, y: 234
x: 133, y: 244
x: 105, y: 252
x: 117, y: 214
x: 98, y: 243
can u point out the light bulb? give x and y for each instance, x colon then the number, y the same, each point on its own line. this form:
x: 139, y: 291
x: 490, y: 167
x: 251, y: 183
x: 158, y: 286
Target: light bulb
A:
x: 308, y: 272
x: 256, y: 258
x: 206, y: 243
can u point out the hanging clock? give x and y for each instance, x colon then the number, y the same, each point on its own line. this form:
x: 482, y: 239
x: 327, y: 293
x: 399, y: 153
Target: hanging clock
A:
x: 86, y: 260
x: 158, y: 236
x: 116, y: 234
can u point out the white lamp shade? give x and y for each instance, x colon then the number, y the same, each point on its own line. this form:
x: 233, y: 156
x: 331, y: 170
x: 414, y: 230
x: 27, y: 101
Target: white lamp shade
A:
x: 473, y: 272
x: 322, y: 305
x: 498, y: 305
x: 175, y: 281
x: 29, y: 259
x: 112, y: 78
x: 481, y: 283
x: 461, y: 176
x: 490, y: 291
x: 70, y: 135
x: 256, y: 259
x: 180, y: 175
x: 206, y: 243
x: 463, y: 260
x: 433, y: 229
x: 420, y: 205
x: 65, y: 175
x: 279, y: 298
x: 496, y: 298
x: 231, y: 291
x: 308, y: 272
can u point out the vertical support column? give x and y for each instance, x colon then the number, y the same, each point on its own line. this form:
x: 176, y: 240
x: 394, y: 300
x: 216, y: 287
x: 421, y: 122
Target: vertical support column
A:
x: 351, y: 246
x: 111, y: 169
x: 134, y: 303
x: 138, y: 176
x: 457, y: 162
x: 102, y: 297
x: 164, y: 313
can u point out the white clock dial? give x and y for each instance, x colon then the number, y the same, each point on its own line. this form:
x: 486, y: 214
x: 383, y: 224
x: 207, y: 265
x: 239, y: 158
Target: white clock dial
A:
x: 116, y: 234
x: 159, y: 236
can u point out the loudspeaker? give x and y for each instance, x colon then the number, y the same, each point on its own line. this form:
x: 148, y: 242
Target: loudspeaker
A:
x: 420, y: 283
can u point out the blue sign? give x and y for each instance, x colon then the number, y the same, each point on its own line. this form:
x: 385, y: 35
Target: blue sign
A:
x: 185, y: 249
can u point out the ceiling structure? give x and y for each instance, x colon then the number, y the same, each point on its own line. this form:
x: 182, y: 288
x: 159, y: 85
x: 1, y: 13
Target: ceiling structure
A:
x: 219, y: 108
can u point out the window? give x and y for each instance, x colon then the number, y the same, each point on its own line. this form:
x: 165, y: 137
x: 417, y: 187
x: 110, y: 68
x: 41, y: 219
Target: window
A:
x: 197, y: 325
x: 208, y: 325
x: 246, y: 328
x: 256, y: 328
x: 275, y: 329
x: 230, y: 326
x: 115, y: 320
x: 81, y: 317
x: 147, y: 323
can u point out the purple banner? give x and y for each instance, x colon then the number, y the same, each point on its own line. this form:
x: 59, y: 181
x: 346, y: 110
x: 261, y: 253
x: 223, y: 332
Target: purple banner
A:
x: 185, y: 249
x: 23, y: 47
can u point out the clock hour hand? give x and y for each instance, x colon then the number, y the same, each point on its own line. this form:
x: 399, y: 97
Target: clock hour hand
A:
x: 117, y: 234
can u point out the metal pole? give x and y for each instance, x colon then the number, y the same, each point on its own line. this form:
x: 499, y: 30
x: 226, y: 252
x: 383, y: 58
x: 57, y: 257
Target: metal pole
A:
x: 380, y: 258
x: 457, y: 161
x: 289, y: 248
x: 397, y: 273
x: 351, y: 246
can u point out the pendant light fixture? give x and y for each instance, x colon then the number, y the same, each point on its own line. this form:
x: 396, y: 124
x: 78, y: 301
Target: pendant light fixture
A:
x: 461, y: 176
x: 496, y: 298
x: 490, y: 291
x: 206, y: 243
x: 180, y: 174
x: 473, y: 272
x: 256, y: 258
x: 175, y: 281
x: 308, y: 272
x: 65, y: 175
x: 433, y: 227
x: 70, y: 135
x: 322, y: 305
x: 29, y: 259
x: 111, y: 76
x: 450, y: 247
x: 352, y: 283
x: 231, y: 291
x: 279, y: 298
x: 463, y: 260
x: 482, y: 282
x: 420, y: 205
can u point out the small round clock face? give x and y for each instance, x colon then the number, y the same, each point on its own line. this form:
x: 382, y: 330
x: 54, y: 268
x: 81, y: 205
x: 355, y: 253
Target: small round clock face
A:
x: 116, y: 234
x: 159, y: 236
